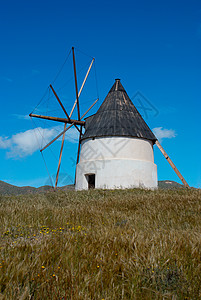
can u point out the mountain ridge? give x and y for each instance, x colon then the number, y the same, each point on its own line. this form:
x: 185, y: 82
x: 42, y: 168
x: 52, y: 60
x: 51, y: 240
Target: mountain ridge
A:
x: 9, y: 189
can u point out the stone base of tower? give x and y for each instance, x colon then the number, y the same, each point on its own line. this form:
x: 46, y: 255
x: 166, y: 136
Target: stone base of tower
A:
x: 116, y: 174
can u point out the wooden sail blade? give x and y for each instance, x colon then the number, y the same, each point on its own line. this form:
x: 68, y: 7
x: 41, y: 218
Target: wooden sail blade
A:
x: 60, y: 102
x: 172, y: 164
x: 56, y: 138
x: 84, y: 81
x: 76, y: 88
x: 89, y: 108
x: 62, y: 120
x: 60, y: 156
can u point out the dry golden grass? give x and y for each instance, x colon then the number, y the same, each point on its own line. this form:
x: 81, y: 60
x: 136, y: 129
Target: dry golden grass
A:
x: 128, y: 244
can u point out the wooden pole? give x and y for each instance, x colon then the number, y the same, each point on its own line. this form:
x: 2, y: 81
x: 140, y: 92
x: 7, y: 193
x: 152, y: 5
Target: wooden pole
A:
x: 58, y: 136
x: 87, y: 74
x: 89, y: 108
x: 78, y: 151
x: 172, y: 164
x: 60, y: 156
x: 62, y: 120
x: 77, y: 128
x: 60, y: 102
x: 76, y: 88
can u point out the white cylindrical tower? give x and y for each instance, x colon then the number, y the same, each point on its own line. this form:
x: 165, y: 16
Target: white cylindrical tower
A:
x: 117, y: 147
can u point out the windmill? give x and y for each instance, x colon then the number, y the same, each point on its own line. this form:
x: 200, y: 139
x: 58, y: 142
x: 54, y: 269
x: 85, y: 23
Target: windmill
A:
x: 116, y: 148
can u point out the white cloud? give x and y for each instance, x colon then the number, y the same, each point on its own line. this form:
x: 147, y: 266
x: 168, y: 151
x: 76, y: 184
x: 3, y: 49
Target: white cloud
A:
x: 4, y: 142
x: 162, y: 133
x: 26, y: 143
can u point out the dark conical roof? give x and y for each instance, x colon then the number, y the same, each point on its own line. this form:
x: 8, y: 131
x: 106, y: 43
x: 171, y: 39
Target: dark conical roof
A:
x: 117, y: 116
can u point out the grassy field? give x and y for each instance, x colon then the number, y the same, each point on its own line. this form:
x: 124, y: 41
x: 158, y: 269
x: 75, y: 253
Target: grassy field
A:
x: 126, y: 244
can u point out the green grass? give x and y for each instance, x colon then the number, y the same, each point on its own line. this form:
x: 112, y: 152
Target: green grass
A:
x: 122, y: 244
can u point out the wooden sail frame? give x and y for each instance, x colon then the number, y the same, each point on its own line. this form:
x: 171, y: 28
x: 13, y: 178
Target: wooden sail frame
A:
x: 68, y: 120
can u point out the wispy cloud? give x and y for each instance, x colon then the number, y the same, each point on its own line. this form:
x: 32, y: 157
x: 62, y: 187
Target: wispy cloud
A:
x: 199, y: 31
x: 162, y: 133
x: 5, y: 142
x: 21, y: 117
x: 35, y: 72
x: 72, y: 135
x: 8, y: 79
x: 169, y: 45
x: 26, y: 143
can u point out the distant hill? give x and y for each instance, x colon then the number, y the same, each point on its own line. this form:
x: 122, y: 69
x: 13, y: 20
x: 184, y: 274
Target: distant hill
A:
x: 169, y: 184
x: 9, y: 189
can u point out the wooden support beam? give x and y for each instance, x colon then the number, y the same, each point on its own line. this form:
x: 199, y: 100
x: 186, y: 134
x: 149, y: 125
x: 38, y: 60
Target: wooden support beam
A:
x: 77, y: 128
x: 78, y: 151
x: 86, y: 76
x: 62, y: 120
x: 172, y: 164
x: 60, y: 102
x: 76, y: 88
x: 89, y: 108
x: 58, y: 136
x: 60, y: 156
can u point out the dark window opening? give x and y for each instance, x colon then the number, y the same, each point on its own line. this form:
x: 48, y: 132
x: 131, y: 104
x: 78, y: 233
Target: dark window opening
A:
x: 91, y: 181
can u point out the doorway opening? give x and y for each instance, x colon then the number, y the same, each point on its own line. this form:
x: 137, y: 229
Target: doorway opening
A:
x: 91, y: 181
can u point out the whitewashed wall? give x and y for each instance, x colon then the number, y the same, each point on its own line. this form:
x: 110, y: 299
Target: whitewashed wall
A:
x: 117, y: 162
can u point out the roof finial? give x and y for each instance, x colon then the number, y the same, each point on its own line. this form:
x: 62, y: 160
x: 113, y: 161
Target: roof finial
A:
x: 117, y: 83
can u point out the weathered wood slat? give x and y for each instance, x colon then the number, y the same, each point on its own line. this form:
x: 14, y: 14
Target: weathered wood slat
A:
x: 62, y: 120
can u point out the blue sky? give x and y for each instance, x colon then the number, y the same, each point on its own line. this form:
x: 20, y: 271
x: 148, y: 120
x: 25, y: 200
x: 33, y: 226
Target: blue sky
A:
x: 153, y: 46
